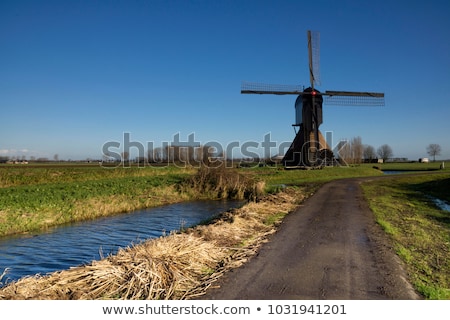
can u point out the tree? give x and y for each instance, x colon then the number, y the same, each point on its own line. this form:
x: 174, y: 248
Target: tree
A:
x: 357, y: 149
x: 369, y: 153
x: 434, y: 150
x: 385, y: 152
x: 351, y: 151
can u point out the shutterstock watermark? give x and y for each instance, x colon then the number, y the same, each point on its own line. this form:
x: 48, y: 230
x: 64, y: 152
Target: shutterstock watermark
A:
x: 193, y: 153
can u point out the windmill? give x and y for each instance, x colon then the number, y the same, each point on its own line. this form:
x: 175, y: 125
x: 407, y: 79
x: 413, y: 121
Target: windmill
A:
x: 309, y: 150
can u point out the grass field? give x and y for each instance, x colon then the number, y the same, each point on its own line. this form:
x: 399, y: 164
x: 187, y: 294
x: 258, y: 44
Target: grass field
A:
x: 417, y: 227
x: 412, y: 166
x: 37, y: 197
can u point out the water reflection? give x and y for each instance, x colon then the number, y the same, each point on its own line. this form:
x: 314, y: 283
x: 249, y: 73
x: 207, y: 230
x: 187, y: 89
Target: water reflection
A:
x: 80, y: 243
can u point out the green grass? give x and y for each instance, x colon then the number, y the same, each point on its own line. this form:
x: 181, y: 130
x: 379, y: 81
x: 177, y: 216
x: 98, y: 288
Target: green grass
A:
x: 34, y: 198
x: 418, y: 229
x: 275, y: 177
x: 274, y: 219
x: 413, y: 166
x: 15, y: 175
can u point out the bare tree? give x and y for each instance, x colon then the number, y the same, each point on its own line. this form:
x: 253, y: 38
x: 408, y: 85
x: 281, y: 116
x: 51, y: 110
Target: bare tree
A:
x: 150, y: 155
x: 351, y: 151
x: 157, y: 155
x: 434, y: 150
x: 201, y: 155
x: 357, y: 149
x: 369, y: 153
x: 385, y: 152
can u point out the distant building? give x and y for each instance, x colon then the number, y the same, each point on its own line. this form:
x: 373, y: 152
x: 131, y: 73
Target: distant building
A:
x: 424, y: 160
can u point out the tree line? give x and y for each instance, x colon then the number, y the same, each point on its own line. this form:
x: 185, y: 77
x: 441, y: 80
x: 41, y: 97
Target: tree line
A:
x: 354, y: 151
x: 171, y: 154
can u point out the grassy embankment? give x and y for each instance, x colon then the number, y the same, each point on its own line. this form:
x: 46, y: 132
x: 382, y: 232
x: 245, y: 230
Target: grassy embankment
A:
x: 417, y: 227
x: 34, y: 198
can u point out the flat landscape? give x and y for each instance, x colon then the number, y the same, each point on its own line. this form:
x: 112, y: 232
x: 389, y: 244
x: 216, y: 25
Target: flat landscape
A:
x: 404, y: 207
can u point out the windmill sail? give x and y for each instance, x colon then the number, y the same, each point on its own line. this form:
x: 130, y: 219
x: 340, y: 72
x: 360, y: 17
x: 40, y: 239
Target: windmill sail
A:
x: 263, y: 88
x: 314, y: 57
x: 337, y: 98
x: 349, y: 98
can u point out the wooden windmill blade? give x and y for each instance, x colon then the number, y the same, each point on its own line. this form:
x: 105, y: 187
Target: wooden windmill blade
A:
x: 263, y: 88
x: 340, y: 98
x: 314, y: 57
x: 354, y: 98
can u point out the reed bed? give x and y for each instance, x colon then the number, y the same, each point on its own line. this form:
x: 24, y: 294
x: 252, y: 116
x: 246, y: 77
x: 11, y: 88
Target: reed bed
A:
x: 222, y: 183
x: 179, y: 266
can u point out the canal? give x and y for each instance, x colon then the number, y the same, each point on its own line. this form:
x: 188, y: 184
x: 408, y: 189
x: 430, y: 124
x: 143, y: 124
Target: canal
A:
x: 80, y: 243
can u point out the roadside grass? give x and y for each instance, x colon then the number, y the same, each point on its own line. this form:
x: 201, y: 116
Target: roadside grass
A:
x: 418, y: 228
x: 412, y: 166
x: 277, y: 177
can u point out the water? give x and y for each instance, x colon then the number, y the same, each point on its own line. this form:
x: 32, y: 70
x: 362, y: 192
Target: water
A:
x: 79, y: 243
x: 441, y: 204
x: 396, y: 171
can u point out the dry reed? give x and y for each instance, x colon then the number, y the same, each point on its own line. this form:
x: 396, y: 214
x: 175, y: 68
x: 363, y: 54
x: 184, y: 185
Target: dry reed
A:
x: 178, y: 266
x: 222, y: 183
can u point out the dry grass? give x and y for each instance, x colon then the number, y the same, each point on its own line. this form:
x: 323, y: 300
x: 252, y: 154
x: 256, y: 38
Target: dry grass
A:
x: 179, y: 266
x: 221, y: 183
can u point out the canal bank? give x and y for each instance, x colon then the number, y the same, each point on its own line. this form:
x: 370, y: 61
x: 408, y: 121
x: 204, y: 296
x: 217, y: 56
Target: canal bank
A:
x: 177, y: 266
x: 79, y: 243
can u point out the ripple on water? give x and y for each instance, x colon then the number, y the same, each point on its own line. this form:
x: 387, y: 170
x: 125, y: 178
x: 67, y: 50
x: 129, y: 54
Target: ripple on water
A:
x: 80, y: 243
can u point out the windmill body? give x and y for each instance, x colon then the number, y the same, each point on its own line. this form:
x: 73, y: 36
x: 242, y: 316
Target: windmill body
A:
x: 309, y: 149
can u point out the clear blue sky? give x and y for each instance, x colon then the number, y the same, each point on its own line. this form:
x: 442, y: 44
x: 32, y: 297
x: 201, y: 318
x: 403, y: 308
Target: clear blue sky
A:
x: 76, y: 74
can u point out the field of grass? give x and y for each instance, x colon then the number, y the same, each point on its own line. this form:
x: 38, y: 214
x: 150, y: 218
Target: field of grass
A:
x: 417, y: 227
x: 37, y: 197
x: 278, y: 176
x: 412, y: 166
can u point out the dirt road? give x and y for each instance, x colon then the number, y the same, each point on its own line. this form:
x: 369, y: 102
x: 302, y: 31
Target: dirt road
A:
x: 329, y: 248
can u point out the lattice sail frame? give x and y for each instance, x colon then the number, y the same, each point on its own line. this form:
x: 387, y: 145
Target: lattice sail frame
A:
x: 314, y: 57
x: 366, y: 99
x: 337, y: 98
x: 264, y: 88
